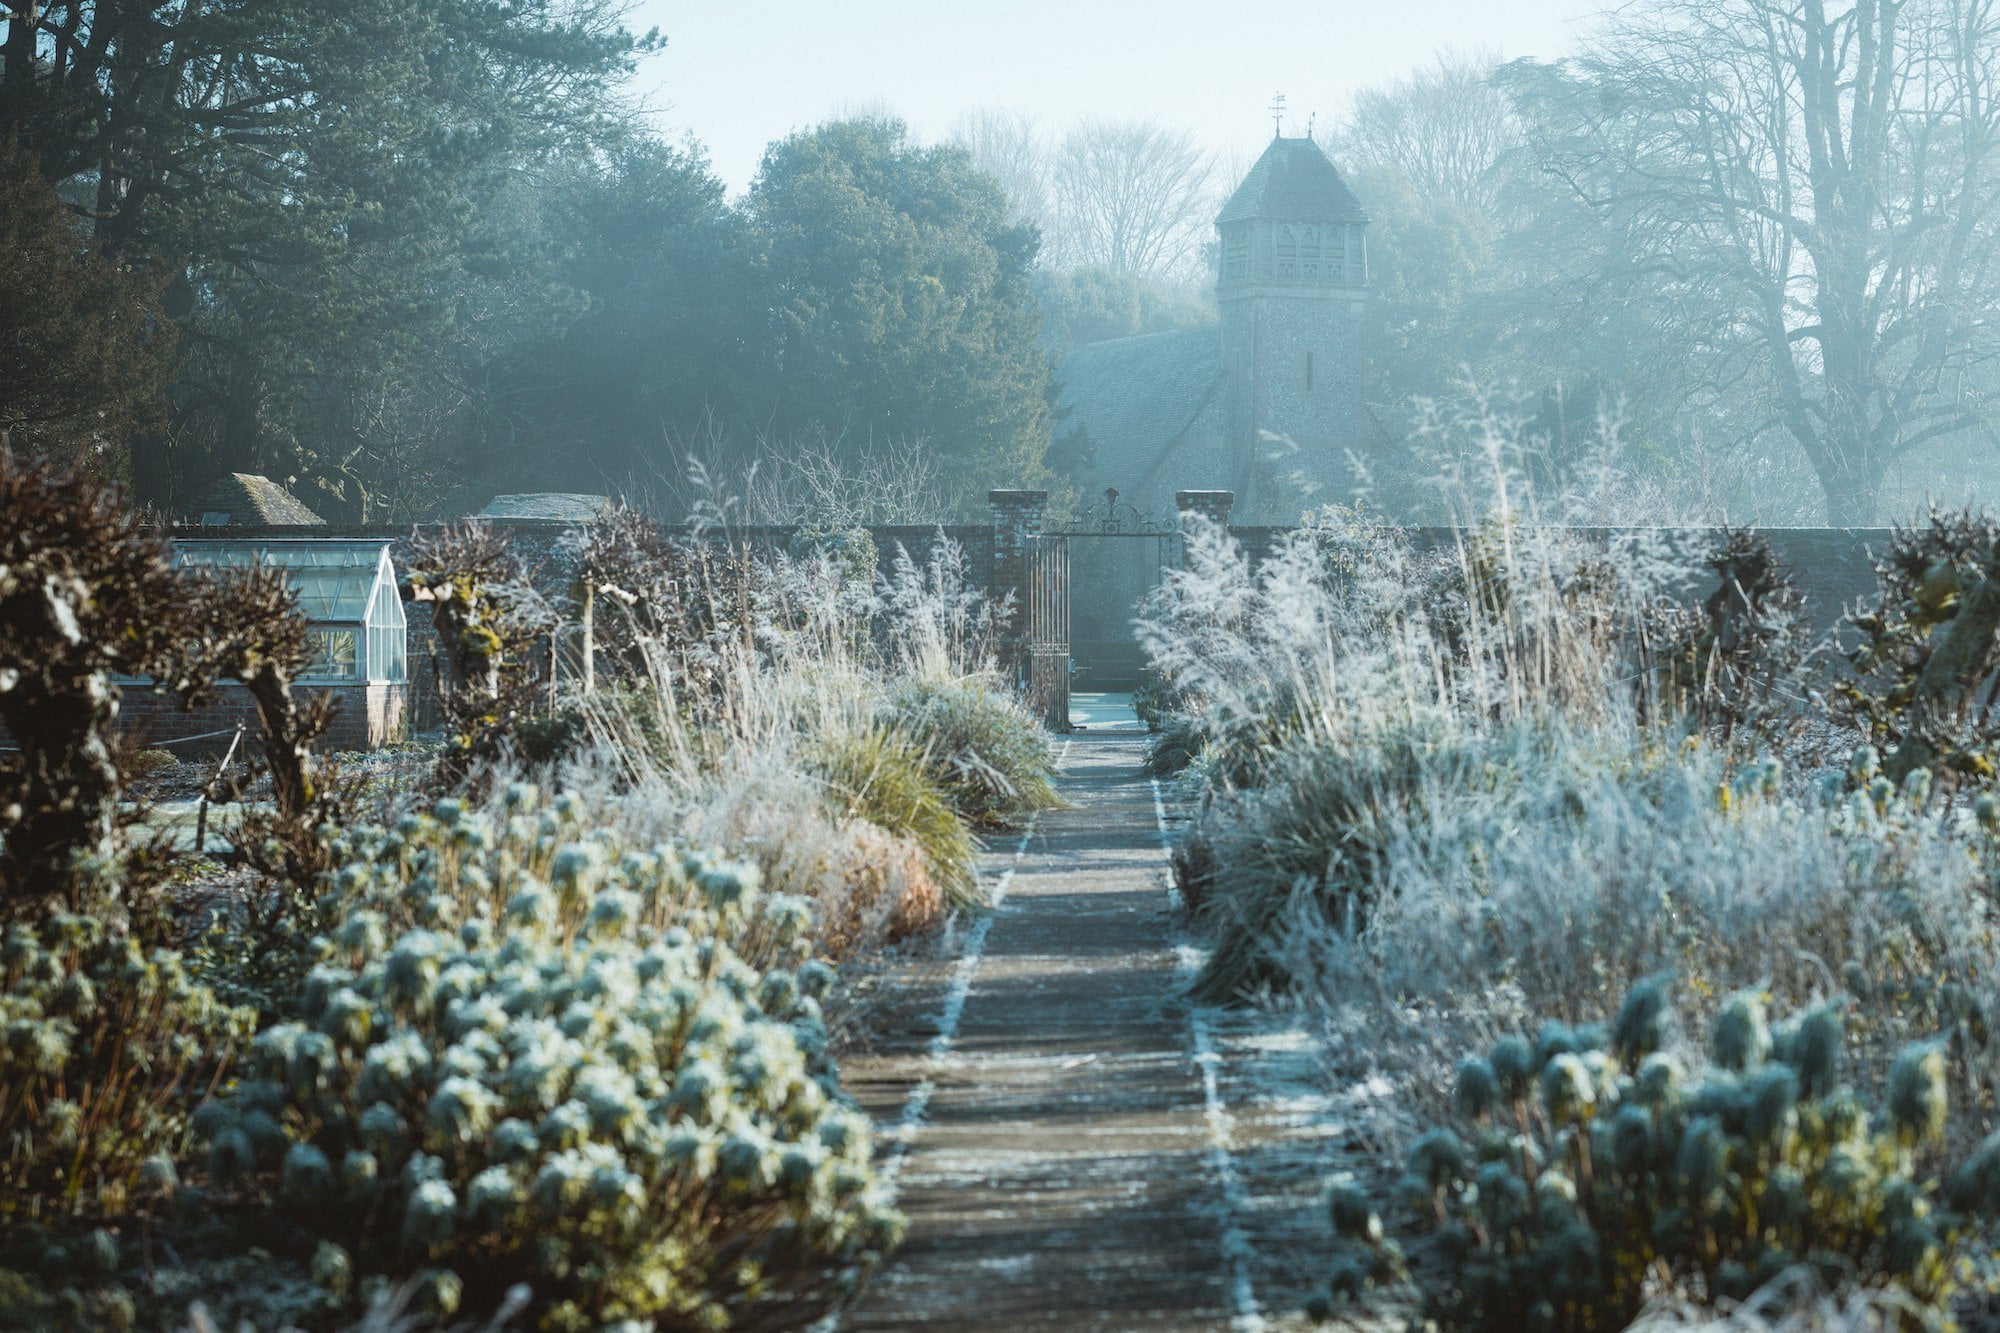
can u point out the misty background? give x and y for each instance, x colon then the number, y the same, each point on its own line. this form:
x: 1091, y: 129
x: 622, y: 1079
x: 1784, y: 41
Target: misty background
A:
x: 1719, y: 260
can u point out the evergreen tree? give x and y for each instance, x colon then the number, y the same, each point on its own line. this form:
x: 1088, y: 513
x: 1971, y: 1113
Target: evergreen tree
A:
x: 83, y: 344
x: 896, y: 285
x: 655, y: 343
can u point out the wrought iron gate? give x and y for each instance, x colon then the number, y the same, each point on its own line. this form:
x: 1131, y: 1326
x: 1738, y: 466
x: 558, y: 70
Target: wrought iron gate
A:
x: 1121, y: 571
x: 1046, y: 592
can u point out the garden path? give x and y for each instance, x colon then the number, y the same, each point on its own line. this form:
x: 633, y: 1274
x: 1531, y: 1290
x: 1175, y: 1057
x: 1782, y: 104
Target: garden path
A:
x: 1074, y: 1144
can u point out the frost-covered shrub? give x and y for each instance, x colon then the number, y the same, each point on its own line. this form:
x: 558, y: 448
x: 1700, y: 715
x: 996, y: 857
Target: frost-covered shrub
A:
x: 885, y: 891
x: 880, y: 775
x: 1740, y: 660
x: 867, y: 886
x: 562, y: 1073
x: 1309, y: 843
x: 1594, y: 1172
x: 989, y: 755
x: 105, y: 1047
x: 850, y: 550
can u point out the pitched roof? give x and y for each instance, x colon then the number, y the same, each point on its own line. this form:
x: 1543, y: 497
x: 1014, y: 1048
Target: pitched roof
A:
x: 1293, y: 182
x: 244, y: 499
x: 561, y: 506
x: 1133, y: 397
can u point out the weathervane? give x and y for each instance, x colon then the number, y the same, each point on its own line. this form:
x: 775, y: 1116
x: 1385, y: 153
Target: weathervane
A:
x: 1277, y: 115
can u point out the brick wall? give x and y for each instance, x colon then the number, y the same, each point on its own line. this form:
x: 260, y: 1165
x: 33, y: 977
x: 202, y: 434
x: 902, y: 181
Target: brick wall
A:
x: 370, y: 716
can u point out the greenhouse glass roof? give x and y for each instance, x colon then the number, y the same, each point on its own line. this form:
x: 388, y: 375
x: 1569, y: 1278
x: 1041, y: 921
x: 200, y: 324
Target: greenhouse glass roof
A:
x: 336, y: 580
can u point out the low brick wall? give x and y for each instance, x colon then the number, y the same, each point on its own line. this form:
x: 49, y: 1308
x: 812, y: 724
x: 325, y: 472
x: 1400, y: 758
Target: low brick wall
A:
x: 370, y: 716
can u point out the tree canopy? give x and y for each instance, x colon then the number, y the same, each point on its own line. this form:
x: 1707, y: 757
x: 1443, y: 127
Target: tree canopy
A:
x: 320, y: 175
x: 896, y: 284
x: 84, y: 345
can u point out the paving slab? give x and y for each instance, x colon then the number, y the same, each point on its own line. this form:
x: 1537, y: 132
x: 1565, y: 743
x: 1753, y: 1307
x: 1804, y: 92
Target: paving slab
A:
x: 1075, y: 1146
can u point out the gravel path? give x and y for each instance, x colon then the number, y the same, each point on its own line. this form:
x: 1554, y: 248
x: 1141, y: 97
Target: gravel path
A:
x: 1073, y: 1143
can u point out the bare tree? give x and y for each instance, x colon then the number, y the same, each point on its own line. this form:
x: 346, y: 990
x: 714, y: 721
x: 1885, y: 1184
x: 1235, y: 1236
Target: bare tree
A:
x: 1007, y: 145
x: 1130, y: 197
x: 814, y: 483
x: 1446, y: 128
x: 1809, y: 187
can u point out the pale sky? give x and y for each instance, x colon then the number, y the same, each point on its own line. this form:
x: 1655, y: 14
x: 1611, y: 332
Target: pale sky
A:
x: 737, y: 75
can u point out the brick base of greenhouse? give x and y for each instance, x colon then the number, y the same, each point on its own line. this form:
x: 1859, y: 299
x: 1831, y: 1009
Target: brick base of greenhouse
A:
x: 371, y: 715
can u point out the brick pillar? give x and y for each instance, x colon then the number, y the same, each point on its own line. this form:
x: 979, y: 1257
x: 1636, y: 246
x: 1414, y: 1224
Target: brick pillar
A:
x: 1211, y: 505
x: 1017, y: 516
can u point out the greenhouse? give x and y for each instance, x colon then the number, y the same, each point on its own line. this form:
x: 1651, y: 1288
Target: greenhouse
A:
x: 347, y: 592
x: 347, y: 589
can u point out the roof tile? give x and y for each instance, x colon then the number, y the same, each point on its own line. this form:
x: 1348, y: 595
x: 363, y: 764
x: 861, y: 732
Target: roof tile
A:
x: 1294, y: 181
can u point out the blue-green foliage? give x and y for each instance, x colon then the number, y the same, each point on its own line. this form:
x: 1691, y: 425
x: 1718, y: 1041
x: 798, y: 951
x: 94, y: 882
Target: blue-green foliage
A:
x: 104, y: 1047
x: 1591, y: 1173
x: 532, y: 1056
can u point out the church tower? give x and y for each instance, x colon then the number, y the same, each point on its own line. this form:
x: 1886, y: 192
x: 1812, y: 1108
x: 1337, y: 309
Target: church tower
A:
x: 1291, y: 286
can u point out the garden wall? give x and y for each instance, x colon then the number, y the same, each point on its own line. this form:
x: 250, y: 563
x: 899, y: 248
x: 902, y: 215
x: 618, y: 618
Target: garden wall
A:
x: 1833, y: 567
x: 539, y: 544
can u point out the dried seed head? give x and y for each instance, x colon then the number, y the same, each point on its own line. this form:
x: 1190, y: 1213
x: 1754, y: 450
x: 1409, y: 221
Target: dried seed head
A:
x: 1643, y: 1022
x: 1569, y: 1093
x: 1514, y: 1065
x: 1352, y: 1214
x: 1478, y: 1088
x: 1918, y: 1103
x: 1814, y: 1050
x: 1741, y: 1038
x: 1437, y: 1158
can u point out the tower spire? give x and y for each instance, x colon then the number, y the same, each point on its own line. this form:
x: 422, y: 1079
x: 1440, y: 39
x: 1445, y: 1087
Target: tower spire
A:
x: 1277, y: 115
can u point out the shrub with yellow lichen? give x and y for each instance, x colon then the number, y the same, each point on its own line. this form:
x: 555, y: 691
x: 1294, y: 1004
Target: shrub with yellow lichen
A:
x: 1927, y: 648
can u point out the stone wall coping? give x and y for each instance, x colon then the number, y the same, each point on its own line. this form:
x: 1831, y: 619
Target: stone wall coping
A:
x: 1876, y: 533
x: 395, y: 531
x: 402, y: 531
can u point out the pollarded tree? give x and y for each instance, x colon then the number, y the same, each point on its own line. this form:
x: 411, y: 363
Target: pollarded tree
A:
x: 1808, y: 193
x: 88, y: 595
x: 83, y: 343
x: 897, y: 286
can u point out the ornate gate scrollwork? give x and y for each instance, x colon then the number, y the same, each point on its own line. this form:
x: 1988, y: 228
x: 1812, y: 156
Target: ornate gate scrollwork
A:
x: 1112, y: 517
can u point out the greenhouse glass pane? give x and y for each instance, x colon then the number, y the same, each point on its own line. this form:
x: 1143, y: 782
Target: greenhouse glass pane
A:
x: 332, y: 652
x: 387, y: 655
